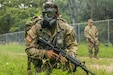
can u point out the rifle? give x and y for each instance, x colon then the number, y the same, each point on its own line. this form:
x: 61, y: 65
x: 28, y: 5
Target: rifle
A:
x: 67, y: 56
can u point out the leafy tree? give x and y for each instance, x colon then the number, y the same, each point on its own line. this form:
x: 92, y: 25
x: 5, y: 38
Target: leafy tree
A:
x: 98, y: 9
x: 12, y: 18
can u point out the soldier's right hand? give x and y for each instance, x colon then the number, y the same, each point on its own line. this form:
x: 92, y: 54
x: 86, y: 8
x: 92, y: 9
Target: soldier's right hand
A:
x: 50, y: 54
x: 91, y: 40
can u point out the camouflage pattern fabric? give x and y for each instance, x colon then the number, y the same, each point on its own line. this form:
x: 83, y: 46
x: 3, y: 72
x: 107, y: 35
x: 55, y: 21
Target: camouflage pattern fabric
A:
x: 63, y: 37
x: 91, y: 34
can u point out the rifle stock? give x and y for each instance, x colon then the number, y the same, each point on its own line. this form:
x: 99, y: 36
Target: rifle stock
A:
x: 67, y: 56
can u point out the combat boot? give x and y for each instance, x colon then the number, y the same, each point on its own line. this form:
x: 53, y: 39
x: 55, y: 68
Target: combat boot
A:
x: 90, y: 55
x: 96, y: 57
x: 95, y: 54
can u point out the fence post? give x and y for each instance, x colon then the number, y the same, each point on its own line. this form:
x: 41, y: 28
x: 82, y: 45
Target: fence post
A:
x: 78, y: 33
x: 6, y: 39
x: 108, y: 32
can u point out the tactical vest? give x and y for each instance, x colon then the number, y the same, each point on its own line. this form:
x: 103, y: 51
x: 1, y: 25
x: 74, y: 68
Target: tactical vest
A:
x: 57, y: 40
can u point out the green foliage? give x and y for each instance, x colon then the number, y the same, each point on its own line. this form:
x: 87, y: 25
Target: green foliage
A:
x: 13, y: 18
x: 98, y: 9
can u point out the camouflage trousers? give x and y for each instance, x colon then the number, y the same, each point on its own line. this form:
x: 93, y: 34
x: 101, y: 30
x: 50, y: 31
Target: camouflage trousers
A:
x: 48, y: 65
x: 94, y: 45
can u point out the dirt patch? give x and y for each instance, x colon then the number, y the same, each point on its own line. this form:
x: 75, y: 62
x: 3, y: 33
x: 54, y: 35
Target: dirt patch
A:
x: 107, y: 68
x: 95, y: 63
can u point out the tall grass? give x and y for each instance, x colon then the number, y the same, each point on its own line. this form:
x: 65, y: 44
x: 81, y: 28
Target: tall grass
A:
x: 13, y: 60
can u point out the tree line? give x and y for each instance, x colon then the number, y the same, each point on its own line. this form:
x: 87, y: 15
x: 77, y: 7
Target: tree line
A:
x: 15, y: 13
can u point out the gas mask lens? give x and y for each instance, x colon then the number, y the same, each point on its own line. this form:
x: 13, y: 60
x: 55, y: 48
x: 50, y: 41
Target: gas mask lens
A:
x: 49, y: 14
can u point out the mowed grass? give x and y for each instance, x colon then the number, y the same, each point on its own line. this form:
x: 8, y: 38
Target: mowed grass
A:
x: 104, y: 52
x: 13, y: 61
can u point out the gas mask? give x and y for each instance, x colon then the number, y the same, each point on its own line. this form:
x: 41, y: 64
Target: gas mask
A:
x: 49, y: 18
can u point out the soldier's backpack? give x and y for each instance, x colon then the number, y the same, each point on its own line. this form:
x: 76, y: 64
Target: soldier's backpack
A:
x: 29, y: 24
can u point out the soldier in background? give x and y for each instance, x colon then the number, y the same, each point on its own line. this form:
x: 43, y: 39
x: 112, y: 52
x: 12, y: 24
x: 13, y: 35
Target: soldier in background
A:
x: 91, y: 34
x: 56, y: 31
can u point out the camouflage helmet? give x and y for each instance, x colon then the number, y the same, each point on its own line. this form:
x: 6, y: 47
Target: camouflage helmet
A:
x: 51, y: 5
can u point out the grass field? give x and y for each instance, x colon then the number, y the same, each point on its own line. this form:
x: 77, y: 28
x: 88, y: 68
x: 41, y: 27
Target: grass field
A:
x: 13, y: 61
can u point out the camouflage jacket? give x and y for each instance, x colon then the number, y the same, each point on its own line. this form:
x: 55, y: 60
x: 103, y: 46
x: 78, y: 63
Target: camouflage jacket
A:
x: 63, y: 37
x: 91, y: 32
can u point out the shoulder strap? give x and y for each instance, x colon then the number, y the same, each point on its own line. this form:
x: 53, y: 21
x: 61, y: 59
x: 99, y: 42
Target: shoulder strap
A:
x: 35, y: 19
x: 61, y: 19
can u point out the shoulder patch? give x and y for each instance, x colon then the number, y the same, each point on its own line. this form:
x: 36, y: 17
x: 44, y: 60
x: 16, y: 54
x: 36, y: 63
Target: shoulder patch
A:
x: 28, y: 38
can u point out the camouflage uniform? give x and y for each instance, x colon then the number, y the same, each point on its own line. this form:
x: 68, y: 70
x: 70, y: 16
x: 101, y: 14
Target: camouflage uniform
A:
x: 63, y: 37
x: 91, y: 34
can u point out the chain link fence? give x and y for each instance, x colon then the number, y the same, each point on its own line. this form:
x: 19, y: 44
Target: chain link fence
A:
x: 105, y: 28
x: 16, y: 37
